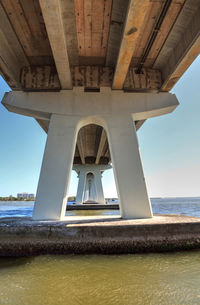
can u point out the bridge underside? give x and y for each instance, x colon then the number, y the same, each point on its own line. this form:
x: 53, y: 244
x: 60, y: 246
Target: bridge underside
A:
x: 129, y: 52
x: 124, y: 44
x: 131, y: 45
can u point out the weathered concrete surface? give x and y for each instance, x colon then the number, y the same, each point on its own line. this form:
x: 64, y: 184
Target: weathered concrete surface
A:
x: 103, y: 235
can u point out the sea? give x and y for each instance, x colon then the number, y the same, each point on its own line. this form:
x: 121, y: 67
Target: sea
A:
x: 136, y: 279
x: 184, y: 206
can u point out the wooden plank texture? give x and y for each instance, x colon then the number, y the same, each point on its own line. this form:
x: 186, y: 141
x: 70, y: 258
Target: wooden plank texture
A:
x: 79, y: 13
x: 27, y: 21
x: 92, y: 22
x: 12, y: 55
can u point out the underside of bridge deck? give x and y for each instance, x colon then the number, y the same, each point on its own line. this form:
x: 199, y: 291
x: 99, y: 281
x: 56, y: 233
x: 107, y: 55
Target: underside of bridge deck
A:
x: 133, y: 45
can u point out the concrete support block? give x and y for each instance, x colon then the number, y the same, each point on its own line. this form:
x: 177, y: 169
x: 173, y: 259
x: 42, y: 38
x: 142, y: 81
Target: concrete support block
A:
x: 56, y: 169
x: 129, y: 177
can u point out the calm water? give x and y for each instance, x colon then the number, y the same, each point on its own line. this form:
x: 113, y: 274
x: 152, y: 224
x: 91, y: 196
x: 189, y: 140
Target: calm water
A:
x: 148, y: 279
x: 185, y: 206
x: 153, y: 279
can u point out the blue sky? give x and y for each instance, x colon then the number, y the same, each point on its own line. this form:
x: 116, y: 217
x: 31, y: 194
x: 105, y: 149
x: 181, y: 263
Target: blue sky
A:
x: 169, y: 147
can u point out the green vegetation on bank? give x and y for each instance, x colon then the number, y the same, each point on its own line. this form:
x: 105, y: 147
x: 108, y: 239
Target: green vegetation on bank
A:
x: 12, y: 198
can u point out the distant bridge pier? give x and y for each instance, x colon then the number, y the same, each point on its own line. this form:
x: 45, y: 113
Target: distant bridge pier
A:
x: 67, y: 112
x: 90, y: 187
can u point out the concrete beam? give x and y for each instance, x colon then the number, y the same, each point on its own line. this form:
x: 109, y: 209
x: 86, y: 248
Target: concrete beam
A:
x: 52, y: 13
x: 118, y: 16
x: 182, y: 56
x: 69, y: 24
x: 12, y: 56
x: 85, y: 104
x: 135, y: 17
x: 101, y: 146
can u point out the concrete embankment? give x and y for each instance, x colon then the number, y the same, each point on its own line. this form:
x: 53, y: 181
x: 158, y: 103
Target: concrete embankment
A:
x: 87, y: 206
x: 102, y: 235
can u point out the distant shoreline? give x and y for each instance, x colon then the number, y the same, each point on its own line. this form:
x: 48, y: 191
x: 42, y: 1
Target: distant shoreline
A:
x: 20, y: 200
x: 72, y: 198
x: 12, y: 198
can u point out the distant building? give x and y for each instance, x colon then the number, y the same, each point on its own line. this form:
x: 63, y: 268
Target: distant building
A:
x: 25, y: 196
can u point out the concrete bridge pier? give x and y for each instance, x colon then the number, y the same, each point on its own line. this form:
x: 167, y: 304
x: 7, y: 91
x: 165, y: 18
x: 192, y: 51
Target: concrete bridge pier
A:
x: 90, y: 187
x: 57, y: 164
x: 67, y: 112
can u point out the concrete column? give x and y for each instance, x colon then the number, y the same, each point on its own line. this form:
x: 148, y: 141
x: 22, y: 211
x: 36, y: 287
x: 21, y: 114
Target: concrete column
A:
x: 129, y: 177
x: 56, y: 168
x: 90, y: 191
x: 81, y: 187
x: 99, y: 187
x: 86, y: 190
